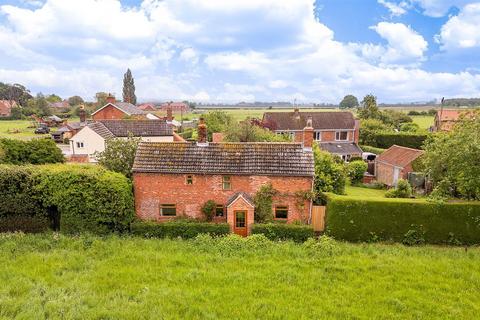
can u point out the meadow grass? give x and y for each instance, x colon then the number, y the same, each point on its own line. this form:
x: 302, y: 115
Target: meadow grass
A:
x: 424, y: 122
x: 9, y: 128
x: 55, y: 276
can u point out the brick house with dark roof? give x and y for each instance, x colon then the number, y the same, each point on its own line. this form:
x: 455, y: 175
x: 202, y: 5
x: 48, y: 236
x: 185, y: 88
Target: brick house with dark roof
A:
x: 176, y: 179
x: 335, y: 132
x: 117, y: 110
x: 395, y: 163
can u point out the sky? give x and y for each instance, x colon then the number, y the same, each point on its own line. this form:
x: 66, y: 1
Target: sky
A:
x: 226, y: 51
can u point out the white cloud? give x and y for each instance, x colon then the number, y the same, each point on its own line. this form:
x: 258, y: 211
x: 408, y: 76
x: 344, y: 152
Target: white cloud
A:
x: 189, y: 55
x: 439, y: 8
x: 395, y: 9
x: 463, y: 30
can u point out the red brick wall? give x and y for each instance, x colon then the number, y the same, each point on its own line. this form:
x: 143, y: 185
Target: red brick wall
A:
x: 153, y: 189
x: 109, y: 113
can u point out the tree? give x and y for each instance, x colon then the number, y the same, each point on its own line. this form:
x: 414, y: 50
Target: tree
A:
x: 355, y: 170
x: 263, y: 203
x: 52, y: 98
x: 451, y: 160
x: 369, y: 108
x: 41, y: 105
x: 119, y: 155
x: 248, y: 131
x: 101, y: 98
x: 17, y: 92
x: 75, y: 101
x: 330, y: 175
x: 129, y: 88
x: 349, y: 101
x: 369, y: 129
x: 217, y: 121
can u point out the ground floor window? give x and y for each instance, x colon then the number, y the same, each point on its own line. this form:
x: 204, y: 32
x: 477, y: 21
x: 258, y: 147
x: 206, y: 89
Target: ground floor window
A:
x: 168, y: 210
x: 219, y: 210
x: 281, y: 212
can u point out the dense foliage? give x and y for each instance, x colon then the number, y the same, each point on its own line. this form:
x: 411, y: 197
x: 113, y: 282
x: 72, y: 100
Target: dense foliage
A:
x: 129, y: 88
x: 385, y: 140
x: 402, y: 190
x: 330, y: 173
x: 354, y: 219
x: 17, y: 92
x: 283, y: 231
x: 119, y: 154
x: 35, y: 151
x: 217, y: 121
x: 178, y: 229
x: 208, y: 209
x: 86, y: 198
x: 348, y: 102
x: 248, y: 131
x: 371, y: 149
x: 263, y: 203
x: 452, y: 160
x: 356, y: 169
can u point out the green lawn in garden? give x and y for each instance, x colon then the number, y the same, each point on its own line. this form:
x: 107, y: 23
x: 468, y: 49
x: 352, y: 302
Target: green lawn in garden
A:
x: 60, y: 277
x: 9, y: 128
x: 424, y: 122
x: 364, y: 192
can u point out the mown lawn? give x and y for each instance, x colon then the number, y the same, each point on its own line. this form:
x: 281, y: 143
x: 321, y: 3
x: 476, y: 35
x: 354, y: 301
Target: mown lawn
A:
x: 53, y: 276
x: 424, y: 122
x: 18, y: 129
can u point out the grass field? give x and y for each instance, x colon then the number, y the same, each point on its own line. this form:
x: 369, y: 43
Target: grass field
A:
x: 424, y: 122
x: 59, y: 277
x: 9, y: 128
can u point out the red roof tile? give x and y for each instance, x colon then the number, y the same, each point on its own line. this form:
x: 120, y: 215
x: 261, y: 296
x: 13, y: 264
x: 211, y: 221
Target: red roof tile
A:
x: 399, y: 156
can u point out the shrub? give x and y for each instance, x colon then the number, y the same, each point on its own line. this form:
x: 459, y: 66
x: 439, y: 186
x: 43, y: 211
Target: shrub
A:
x: 372, y: 149
x: 330, y: 175
x: 178, y: 229
x: 87, y: 198
x: 263, y: 203
x: 352, y: 219
x: 356, y: 169
x: 402, y: 190
x: 276, y: 231
x: 35, y: 151
x: 208, y: 209
x: 387, y: 139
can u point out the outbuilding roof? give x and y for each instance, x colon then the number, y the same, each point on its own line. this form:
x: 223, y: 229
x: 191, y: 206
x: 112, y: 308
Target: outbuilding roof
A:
x: 320, y: 120
x: 139, y: 128
x: 341, y: 147
x: 125, y: 107
x: 399, y: 156
x: 251, y: 158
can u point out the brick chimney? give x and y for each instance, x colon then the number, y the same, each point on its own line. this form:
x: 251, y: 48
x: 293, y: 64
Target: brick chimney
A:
x: 357, y: 131
x: 202, y: 131
x: 217, y: 137
x: 82, y: 114
x: 169, y: 114
x: 111, y: 98
x: 308, y: 135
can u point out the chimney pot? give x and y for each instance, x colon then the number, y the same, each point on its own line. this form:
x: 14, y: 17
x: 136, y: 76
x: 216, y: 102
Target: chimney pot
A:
x: 202, y: 131
x: 111, y: 98
x: 169, y: 114
x: 82, y: 114
x: 308, y: 134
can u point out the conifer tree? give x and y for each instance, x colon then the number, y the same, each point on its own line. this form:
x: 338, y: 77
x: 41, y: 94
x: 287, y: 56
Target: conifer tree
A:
x: 129, y: 88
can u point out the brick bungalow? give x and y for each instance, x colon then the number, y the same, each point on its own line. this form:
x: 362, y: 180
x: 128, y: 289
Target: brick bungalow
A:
x: 335, y: 132
x: 395, y: 163
x: 176, y: 179
x: 116, y: 110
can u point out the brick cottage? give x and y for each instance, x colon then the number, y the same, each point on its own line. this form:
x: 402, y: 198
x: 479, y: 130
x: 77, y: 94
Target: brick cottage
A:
x: 176, y: 179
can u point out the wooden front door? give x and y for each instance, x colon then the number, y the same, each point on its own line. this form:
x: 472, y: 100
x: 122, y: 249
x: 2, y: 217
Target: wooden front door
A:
x: 240, y: 223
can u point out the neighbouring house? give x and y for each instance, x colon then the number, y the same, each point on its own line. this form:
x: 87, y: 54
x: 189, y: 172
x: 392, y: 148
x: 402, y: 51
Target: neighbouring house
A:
x: 59, y: 105
x: 147, y: 107
x: 175, y: 106
x: 446, y: 119
x: 335, y: 132
x: 176, y: 179
x: 6, y: 107
x: 395, y: 163
x: 69, y: 129
x: 116, y: 110
x: 91, y: 138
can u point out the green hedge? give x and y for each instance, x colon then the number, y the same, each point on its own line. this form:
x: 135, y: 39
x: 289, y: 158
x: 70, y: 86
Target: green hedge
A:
x: 385, y: 140
x: 87, y: 198
x: 35, y: 151
x: 177, y: 229
x: 277, y: 231
x: 371, y: 149
x: 404, y: 221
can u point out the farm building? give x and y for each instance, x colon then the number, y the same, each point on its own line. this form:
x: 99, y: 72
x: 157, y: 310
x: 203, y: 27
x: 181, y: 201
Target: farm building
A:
x: 395, y: 163
x: 116, y: 110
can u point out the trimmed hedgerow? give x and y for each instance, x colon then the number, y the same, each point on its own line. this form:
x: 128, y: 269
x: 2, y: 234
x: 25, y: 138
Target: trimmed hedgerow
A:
x: 387, y: 139
x: 277, y: 231
x: 177, y: 229
x: 87, y: 198
x: 406, y: 221
x: 35, y: 151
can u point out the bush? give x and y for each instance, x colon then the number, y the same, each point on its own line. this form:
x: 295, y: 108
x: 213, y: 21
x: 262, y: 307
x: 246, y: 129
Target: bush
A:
x: 387, y: 139
x: 87, y: 198
x: 402, y: 190
x: 330, y: 175
x: 35, y: 151
x: 356, y: 169
x: 371, y: 149
x: 263, y: 203
x: 208, y: 209
x: 276, y: 231
x: 178, y: 229
x: 352, y: 219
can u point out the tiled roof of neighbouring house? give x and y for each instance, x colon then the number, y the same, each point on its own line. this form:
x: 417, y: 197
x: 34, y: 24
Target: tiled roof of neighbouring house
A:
x: 399, y: 156
x: 125, y: 107
x: 244, y: 195
x: 139, y: 128
x: 101, y: 130
x: 341, y: 147
x: 320, y: 120
x: 252, y: 158
x: 454, y: 115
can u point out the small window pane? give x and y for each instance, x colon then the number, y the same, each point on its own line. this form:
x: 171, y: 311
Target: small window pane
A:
x: 226, y: 184
x: 341, y: 135
x: 318, y: 136
x: 219, y: 210
x: 189, y: 180
x: 168, y: 210
x: 240, y: 219
x: 281, y: 212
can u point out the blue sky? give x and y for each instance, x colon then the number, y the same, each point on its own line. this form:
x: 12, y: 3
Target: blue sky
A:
x: 248, y: 50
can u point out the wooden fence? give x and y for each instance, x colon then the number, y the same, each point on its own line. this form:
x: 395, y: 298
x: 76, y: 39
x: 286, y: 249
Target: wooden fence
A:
x: 318, y: 218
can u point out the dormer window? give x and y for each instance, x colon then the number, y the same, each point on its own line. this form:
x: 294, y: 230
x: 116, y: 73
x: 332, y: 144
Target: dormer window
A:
x: 341, y: 135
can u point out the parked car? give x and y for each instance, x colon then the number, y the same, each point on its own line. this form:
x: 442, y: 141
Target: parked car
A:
x: 43, y: 129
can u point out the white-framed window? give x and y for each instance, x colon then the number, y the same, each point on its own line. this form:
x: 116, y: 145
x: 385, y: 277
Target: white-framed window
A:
x: 341, y: 135
x: 289, y: 134
x: 317, y: 135
x: 168, y: 210
x: 80, y: 144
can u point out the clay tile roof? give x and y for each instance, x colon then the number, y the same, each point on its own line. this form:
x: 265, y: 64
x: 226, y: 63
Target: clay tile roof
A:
x: 399, y: 156
x: 341, y: 147
x: 101, y: 130
x: 246, y: 196
x: 139, y: 128
x: 252, y: 158
x: 6, y: 107
x: 320, y: 120
x: 453, y: 115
